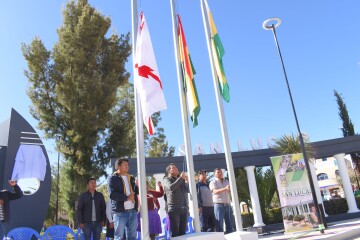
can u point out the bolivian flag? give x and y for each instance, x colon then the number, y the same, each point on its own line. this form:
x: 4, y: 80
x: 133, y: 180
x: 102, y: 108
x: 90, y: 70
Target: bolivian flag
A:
x: 218, y: 52
x: 188, y: 73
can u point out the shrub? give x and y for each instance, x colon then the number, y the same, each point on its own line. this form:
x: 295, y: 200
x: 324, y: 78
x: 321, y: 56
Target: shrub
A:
x: 247, y: 220
x: 299, y: 218
x: 357, y: 199
x: 273, y: 216
x: 336, y: 206
x: 291, y: 217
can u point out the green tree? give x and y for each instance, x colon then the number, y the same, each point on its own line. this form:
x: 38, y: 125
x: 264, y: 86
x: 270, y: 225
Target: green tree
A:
x: 347, y: 127
x: 158, y: 146
x: 73, y: 88
x: 120, y: 138
x: 289, y: 144
x: 266, y: 186
x: 242, y: 186
x: 51, y: 214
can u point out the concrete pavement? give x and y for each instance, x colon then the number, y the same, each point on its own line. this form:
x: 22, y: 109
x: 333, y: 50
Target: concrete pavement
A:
x: 349, y: 229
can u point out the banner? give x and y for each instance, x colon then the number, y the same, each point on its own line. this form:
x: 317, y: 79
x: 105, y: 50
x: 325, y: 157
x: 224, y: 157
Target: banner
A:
x: 294, y: 190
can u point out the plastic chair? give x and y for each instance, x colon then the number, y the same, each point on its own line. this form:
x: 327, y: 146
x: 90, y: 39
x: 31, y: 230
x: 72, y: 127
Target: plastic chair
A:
x: 58, y: 232
x: 23, y: 233
x: 80, y: 234
x: 166, y: 226
x: 189, y: 227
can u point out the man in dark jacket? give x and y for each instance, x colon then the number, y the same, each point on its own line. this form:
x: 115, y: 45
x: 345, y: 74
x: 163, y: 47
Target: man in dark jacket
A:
x: 5, y: 197
x: 123, y: 194
x: 206, y: 205
x: 91, y: 211
x: 177, y: 206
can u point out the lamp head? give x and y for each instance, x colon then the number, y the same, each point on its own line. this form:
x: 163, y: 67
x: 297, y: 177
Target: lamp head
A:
x: 271, y: 23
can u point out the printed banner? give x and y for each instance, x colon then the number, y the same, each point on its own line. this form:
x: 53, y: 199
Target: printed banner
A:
x: 294, y: 190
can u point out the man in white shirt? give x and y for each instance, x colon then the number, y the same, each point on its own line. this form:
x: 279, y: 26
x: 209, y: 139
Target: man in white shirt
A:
x: 123, y: 194
x: 220, y: 189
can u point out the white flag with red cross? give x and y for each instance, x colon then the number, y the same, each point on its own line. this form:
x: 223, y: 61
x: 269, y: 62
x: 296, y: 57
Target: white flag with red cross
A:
x: 147, y: 80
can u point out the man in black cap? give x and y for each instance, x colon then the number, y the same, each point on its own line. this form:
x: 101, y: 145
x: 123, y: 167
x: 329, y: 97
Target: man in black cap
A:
x: 206, y: 205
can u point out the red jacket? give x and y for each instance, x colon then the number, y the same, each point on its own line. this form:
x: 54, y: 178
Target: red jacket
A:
x: 152, y: 198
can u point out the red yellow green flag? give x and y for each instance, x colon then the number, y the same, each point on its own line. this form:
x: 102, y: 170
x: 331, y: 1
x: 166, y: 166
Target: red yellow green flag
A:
x: 218, y: 52
x: 188, y: 73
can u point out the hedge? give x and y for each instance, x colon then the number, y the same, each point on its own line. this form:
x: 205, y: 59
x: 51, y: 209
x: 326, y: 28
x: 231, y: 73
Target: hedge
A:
x: 338, y: 206
x: 272, y: 216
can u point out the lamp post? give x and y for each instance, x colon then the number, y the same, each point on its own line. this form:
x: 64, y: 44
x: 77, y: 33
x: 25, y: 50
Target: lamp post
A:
x: 57, y: 189
x: 272, y: 24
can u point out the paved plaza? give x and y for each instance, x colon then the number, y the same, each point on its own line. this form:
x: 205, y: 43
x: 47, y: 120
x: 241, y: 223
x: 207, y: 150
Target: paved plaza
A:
x: 344, y: 230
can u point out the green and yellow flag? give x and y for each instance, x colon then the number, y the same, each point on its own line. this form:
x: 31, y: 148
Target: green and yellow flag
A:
x: 218, y: 52
x: 188, y: 73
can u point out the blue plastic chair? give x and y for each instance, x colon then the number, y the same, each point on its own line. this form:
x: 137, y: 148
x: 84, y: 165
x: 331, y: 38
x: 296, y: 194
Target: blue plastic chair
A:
x: 80, y: 234
x: 23, y: 233
x: 190, y: 227
x: 58, y: 232
x: 167, y: 232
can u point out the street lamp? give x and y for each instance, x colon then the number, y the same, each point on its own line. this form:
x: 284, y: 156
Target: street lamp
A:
x: 272, y: 24
x: 57, y: 189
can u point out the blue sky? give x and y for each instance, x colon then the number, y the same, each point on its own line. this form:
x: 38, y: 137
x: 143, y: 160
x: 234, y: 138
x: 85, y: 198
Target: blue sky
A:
x: 320, y: 43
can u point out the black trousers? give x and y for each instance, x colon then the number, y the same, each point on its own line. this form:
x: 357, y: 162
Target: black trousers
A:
x: 207, y: 219
x: 178, y: 221
x: 2, y: 230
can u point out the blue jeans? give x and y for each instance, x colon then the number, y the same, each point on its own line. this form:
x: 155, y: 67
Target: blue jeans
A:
x: 92, y: 227
x: 223, y: 211
x: 127, y: 222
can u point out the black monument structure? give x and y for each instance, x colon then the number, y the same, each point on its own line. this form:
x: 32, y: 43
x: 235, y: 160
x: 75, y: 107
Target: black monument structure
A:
x: 31, y: 209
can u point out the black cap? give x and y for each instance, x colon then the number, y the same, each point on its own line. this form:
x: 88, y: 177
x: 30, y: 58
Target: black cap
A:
x: 202, y: 171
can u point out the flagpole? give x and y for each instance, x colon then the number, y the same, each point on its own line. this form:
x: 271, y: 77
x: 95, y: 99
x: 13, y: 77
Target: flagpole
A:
x: 185, y: 123
x: 140, y: 149
x: 229, y: 162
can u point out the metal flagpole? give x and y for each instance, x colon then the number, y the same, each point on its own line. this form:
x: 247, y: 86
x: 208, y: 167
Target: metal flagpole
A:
x: 57, y: 189
x: 229, y: 162
x: 185, y: 123
x: 301, y: 139
x: 140, y: 149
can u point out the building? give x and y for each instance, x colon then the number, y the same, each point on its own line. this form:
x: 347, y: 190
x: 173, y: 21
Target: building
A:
x: 327, y: 173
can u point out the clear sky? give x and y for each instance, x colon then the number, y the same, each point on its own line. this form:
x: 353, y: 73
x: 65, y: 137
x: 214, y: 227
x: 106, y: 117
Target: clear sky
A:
x: 320, y: 43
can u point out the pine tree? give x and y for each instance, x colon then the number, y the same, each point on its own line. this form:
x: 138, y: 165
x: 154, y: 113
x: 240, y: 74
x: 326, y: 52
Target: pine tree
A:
x: 73, y: 88
x: 347, y: 126
x: 120, y: 138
